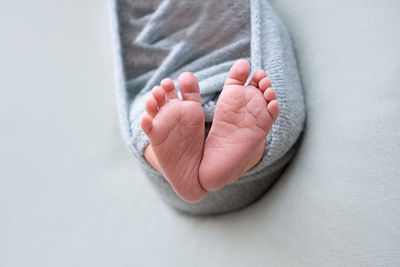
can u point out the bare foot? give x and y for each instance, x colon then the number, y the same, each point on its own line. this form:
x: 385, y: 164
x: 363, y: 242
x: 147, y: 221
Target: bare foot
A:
x: 176, y: 132
x: 243, y: 118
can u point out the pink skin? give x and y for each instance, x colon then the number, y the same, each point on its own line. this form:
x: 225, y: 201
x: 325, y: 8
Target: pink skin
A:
x: 242, y: 120
x: 176, y: 132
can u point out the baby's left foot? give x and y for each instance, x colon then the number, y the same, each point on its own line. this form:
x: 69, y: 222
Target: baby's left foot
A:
x: 176, y: 132
x: 242, y: 120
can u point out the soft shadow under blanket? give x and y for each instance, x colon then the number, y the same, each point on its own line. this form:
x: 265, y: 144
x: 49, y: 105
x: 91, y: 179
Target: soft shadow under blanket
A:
x: 157, y: 39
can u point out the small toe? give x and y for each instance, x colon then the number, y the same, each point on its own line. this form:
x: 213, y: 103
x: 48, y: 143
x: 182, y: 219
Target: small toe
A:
x: 169, y: 88
x: 159, y: 95
x: 273, y: 109
x: 146, y: 123
x: 151, y: 106
x: 189, y: 87
x: 269, y: 94
x: 264, y: 84
x: 238, y: 73
x: 257, y: 77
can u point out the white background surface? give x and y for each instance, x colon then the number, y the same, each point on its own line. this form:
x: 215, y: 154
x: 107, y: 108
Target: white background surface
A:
x: 72, y: 195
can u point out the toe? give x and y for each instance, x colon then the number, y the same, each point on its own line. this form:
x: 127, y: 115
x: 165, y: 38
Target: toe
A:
x: 151, y: 106
x: 238, y: 73
x: 146, y: 123
x: 257, y: 77
x: 273, y: 109
x: 169, y: 88
x: 189, y: 87
x: 264, y: 84
x: 159, y: 96
x: 269, y: 94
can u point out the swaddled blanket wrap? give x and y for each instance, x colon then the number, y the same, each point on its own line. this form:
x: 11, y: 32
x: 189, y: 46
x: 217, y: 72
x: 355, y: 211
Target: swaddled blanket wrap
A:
x: 157, y: 39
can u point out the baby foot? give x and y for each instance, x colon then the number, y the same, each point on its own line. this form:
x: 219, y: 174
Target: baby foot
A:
x: 176, y: 132
x: 243, y: 118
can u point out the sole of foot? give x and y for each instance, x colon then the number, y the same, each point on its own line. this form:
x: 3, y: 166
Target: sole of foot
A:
x: 176, y: 131
x: 243, y: 118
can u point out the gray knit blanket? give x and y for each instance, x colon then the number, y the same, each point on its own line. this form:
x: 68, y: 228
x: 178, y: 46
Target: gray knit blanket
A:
x: 163, y: 38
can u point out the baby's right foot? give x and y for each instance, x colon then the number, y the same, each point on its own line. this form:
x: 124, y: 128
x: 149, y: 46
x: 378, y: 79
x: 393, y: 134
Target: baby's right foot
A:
x: 242, y: 120
x: 176, y: 132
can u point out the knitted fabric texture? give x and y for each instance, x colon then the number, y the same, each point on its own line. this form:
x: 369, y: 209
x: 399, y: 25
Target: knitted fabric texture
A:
x: 157, y: 39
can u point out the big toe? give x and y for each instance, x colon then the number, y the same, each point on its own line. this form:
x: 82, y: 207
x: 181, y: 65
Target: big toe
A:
x: 189, y: 87
x: 238, y: 73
